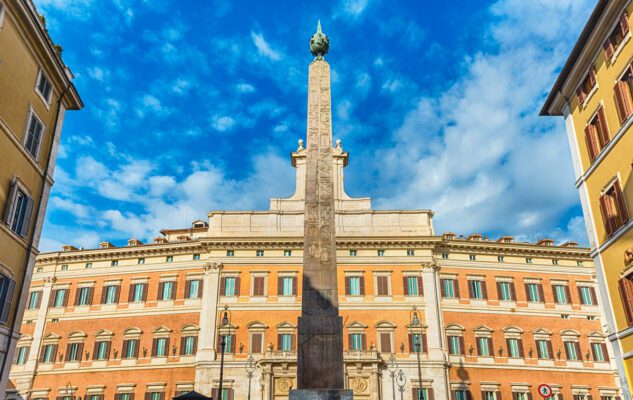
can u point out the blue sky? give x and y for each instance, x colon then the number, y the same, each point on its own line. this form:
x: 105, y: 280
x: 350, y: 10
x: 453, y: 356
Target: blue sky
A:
x: 193, y: 106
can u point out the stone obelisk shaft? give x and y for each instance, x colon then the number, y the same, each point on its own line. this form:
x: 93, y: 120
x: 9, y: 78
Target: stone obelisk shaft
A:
x: 320, y: 344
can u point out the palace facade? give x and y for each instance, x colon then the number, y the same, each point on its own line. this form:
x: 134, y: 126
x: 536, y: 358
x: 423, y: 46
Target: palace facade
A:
x: 594, y: 93
x: 497, y: 317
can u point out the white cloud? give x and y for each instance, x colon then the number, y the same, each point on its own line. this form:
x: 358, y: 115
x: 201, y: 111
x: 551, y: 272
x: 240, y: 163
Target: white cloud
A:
x: 351, y: 8
x: 264, y: 48
x: 222, y: 123
x: 150, y: 104
x: 245, y: 88
x: 109, y: 112
x: 98, y: 73
x: 79, y: 9
x: 479, y: 155
x: 180, y: 86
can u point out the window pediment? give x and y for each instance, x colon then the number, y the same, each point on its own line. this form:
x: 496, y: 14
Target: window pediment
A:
x: 385, y: 325
x: 356, y: 325
x: 258, y: 325
x: 191, y: 328
x: 161, y: 329
x: 512, y: 329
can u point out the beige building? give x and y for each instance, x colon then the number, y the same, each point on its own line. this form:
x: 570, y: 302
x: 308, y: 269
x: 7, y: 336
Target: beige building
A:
x: 450, y: 317
x: 35, y: 92
x: 594, y: 93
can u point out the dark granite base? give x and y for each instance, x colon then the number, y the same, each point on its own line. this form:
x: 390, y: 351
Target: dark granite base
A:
x: 321, y: 394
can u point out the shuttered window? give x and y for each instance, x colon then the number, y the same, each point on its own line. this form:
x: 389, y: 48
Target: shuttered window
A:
x: 44, y: 87
x: 484, y: 346
x: 613, y: 208
x: 382, y: 286
x: 625, y: 285
x: 505, y: 291
x: 7, y: 289
x: 449, y: 288
x: 599, y: 352
x: 385, y: 342
x: 560, y: 294
x: 597, y: 134
x: 413, y: 286
x: 587, y: 295
x: 130, y: 348
x: 515, y: 348
x: 354, y: 286
x: 256, y: 343
x: 193, y: 289
x: 616, y: 37
x: 622, y: 94
x: 35, y: 129
x: 18, y: 212
x: 534, y: 292
x: 188, y: 345
x: 477, y: 290
x: 35, y: 299
x: 572, y: 350
x: 110, y: 294
x: 357, y: 341
x: 586, y: 86
x: 258, y: 285
x: 544, y: 349
x: 138, y: 292
x: 455, y: 344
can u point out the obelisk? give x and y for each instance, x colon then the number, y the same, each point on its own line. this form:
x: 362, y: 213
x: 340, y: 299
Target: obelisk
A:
x: 320, y: 374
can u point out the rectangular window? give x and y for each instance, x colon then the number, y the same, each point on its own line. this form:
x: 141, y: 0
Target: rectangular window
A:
x: 472, y: 257
x: 155, y: 396
x: 22, y: 354
x: 625, y: 286
x: 500, y: 258
x: 259, y: 285
x: 505, y: 290
x: 385, y: 342
x: 554, y: 262
x: 88, y: 265
x: 130, y: 348
x: 354, y: 285
x: 228, y: 343
x: 65, y: 267
x: 382, y: 286
x: 514, y: 348
x: 48, y: 355
x: 560, y: 294
x: 488, y: 395
x: 597, y: 134
x: 169, y: 259
x: 410, y: 252
x: 110, y: 295
x: 256, y: 343
x: 476, y: 289
x: 196, y: 257
x: 73, y: 352
x: 586, y: 86
x: 623, y: 91
x: 417, y: 343
x: 287, y: 286
x: 60, y: 296
x: 572, y: 350
x: 599, y: 351
x: 230, y: 253
x: 483, y: 346
x: 34, y: 300
x: 587, y: 295
x: 353, y: 253
x: 167, y: 291
x: 229, y: 286
x: 449, y: 288
x: 412, y: 285
x: 161, y: 347
x: 287, y: 253
x: 380, y: 253
x: 461, y: 395
x: 101, y: 350
x: 188, y: 345
x: 616, y: 37
x: 19, y: 210
x: 454, y: 344
x: 193, y: 291
x: 114, y: 263
x: 445, y: 255
x: 34, y: 132
x: 534, y: 292
x: 138, y: 293
x: 259, y: 253
x: 520, y: 395
x: 84, y: 296
x: 357, y: 341
x: 543, y: 348
x: 613, y: 208
x: 141, y: 261
x: 528, y: 260
x: 123, y: 396
x: 285, y: 342
x: 421, y: 394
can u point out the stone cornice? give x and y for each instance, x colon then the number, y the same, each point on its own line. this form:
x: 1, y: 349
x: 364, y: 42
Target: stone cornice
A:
x: 112, y: 253
x: 523, y: 249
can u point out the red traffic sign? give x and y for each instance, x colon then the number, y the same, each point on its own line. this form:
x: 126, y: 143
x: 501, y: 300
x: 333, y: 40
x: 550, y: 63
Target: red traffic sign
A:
x: 545, y: 391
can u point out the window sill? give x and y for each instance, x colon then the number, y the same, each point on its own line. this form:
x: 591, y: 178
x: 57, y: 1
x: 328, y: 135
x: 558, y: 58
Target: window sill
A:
x: 383, y: 299
x: 546, y: 363
x: 137, y: 304
x: 158, y: 360
x: 192, y: 302
x: 507, y: 303
x: 574, y: 364
x: 354, y: 299
x: 71, y: 365
x: 566, y: 307
x: 164, y: 303
x: 128, y: 362
x: 56, y: 310
x: 286, y: 299
x: 228, y: 299
x: 108, y: 307
x: 516, y: 361
x: 100, y: 363
x: 257, y: 299
x: 535, y: 305
x: 486, y: 359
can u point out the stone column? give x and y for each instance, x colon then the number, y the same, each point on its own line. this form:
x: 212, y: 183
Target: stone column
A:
x: 205, y: 354
x: 434, y: 331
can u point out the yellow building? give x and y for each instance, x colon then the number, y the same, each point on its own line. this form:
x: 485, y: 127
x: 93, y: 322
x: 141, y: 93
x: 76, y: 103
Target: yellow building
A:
x: 35, y: 92
x: 594, y: 92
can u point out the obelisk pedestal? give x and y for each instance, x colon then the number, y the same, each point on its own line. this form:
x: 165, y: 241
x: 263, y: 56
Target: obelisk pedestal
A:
x: 320, y: 372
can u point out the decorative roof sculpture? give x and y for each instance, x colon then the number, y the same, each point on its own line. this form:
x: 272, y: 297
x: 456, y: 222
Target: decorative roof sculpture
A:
x: 319, y: 43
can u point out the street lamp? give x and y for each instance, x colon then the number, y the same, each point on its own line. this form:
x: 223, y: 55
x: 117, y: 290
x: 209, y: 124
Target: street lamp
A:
x: 225, y: 322
x: 392, y: 367
x: 401, y: 381
x: 417, y: 344
x: 250, y: 368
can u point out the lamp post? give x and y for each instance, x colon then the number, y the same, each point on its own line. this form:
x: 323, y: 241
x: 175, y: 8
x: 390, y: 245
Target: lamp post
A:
x: 225, y: 322
x: 250, y: 368
x: 417, y: 344
x: 401, y: 381
x: 392, y: 367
